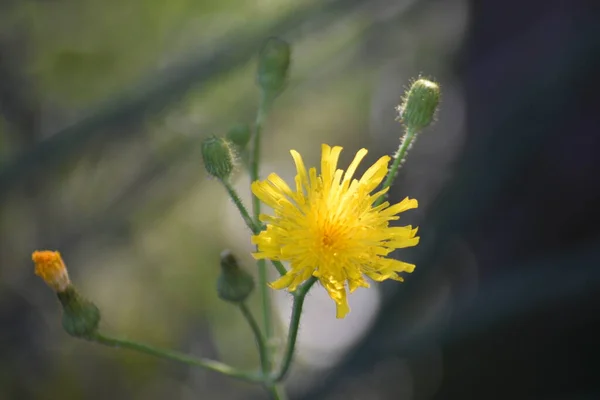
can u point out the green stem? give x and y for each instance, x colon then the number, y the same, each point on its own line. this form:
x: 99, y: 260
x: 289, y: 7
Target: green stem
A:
x: 265, y: 303
x: 288, y: 354
x: 277, y: 392
x: 255, y: 228
x: 261, y: 116
x: 254, y: 176
x: 279, y: 266
x: 398, y: 159
x: 240, y: 206
x: 177, y: 356
x: 258, y: 336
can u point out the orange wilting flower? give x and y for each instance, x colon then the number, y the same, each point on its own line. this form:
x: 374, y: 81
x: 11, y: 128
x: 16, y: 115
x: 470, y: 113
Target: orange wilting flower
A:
x: 50, y: 267
x: 329, y: 227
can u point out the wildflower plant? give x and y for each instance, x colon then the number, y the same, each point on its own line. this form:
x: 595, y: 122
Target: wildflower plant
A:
x: 328, y: 226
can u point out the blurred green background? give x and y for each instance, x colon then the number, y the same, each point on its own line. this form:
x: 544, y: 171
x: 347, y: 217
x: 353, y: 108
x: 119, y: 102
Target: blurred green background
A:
x: 105, y: 105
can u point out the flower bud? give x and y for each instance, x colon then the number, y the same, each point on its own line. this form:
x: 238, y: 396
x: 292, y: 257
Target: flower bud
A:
x: 81, y: 317
x: 273, y: 65
x: 420, y: 104
x: 239, y: 135
x: 234, y: 284
x: 218, y: 156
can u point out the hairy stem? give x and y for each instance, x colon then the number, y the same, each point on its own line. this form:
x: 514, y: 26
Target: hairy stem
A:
x: 398, y: 159
x: 290, y: 347
x: 263, y: 351
x: 176, y: 356
x: 240, y: 206
x: 262, y: 267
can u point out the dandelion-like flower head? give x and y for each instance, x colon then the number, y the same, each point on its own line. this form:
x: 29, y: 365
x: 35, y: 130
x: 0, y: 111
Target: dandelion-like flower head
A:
x: 329, y: 227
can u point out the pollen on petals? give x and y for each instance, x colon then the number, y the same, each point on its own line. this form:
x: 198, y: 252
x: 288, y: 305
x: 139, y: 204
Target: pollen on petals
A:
x: 50, y: 267
x: 328, y: 227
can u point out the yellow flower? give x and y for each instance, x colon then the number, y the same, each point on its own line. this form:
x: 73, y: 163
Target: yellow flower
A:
x: 329, y: 228
x: 50, y: 267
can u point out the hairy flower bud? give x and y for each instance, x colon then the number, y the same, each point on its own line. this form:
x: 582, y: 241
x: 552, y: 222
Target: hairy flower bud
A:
x: 273, y: 65
x: 234, y: 284
x: 420, y: 104
x: 218, y: 156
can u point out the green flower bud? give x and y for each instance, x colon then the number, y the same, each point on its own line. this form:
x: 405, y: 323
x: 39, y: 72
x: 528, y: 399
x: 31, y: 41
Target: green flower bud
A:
x: 273, y: 65
x: 80, y: 316
x: 239, y: 135
x: 420, y: 104
x: 219, y: 157
x: 234, y: 284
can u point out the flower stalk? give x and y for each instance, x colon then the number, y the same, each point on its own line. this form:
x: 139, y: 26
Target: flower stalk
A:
x: 417, y: 111
x: 288, y: 353
x: 183, y: 358
x: 399, y: 157
x: 263, y: 350
x: 261, y: 264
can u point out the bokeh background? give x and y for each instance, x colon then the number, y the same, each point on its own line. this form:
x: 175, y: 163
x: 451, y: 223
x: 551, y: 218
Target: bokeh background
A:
x: 103, y: 106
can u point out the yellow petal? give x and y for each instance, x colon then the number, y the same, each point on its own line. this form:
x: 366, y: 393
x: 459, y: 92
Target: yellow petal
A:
x: 375, y: 174
x: 402, y: 243
x: 267, y: 194
x: 403, y: 231
x: 354, y: 284
x: 353, y: 165
x: 279, y: 184
x: 302, y: 177
x: 404, y: 205
x: 329, y: 160
x: 283, y: 282
x: 302, y: 276
x: 342, y: 308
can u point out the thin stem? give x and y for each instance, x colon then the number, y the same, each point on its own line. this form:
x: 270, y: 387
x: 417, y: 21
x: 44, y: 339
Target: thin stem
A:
x: 258, y: 336
x: 177, y: 356
x: 240, y: 206
x: 261, y: 116
x: 254, y: 176
x: 265, y: 303
x: 279, y: 266
x: 288, y: 354
x: 255, y: 228
x: 398, y: 159
x: 277, y: 392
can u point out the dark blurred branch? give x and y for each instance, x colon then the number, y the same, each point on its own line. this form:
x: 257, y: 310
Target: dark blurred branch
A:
x: 162, y: 91
x: 16, y: 103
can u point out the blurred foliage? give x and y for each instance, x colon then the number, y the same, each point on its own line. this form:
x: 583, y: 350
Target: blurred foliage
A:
x: 87, y: 50
x: 122, y: 94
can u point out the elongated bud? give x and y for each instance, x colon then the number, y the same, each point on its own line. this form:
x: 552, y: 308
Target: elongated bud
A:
x: 273, y: 65
x: 420, y: 104
x: 239, y: 135
x: 234, y: 284
x: 81, y: 317
x: 219, y: 157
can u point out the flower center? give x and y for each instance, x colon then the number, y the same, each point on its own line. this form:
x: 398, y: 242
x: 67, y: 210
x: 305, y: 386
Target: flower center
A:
x: 327, y: 240
x: 332, y: 236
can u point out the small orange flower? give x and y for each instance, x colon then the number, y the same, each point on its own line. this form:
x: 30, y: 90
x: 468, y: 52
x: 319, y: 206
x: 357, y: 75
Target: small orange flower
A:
x: 50, y: 267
